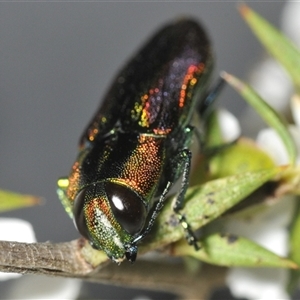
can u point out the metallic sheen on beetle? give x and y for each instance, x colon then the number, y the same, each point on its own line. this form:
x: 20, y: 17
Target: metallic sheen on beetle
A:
x: 137, y: 144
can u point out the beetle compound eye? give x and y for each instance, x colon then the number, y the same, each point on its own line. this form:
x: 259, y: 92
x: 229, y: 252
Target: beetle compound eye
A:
x: 79, y: 213
x: 127, y: 207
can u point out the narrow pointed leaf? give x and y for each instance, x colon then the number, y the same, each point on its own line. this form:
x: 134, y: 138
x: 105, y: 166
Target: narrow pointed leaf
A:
x: 206, y: 202
x: 267, y: 113
x: 275, y: 42
x: 230, y: 250
x: 10, y: 200
x: 294, y: 248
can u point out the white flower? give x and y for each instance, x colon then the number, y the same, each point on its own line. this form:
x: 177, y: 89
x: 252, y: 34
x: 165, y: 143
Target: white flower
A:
x: 291, y: 21
x: 258, y: 283
x: 269, y: 140
x: 295, y: 108
x: 229, y: 125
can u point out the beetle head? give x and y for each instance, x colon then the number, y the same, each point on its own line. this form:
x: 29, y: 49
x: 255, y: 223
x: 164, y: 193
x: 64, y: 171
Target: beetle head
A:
x: 110, y: 215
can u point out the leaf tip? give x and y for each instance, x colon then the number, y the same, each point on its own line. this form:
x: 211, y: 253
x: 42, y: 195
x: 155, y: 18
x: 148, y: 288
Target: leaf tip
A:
x: 226, y: 76
x: 244, y: 10
x: 35, y: 200
x: 292, y: 265
x: 233, y: 81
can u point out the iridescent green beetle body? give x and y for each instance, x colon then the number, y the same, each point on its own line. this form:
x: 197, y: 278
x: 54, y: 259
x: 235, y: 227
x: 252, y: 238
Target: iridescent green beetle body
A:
x: 136, y: 146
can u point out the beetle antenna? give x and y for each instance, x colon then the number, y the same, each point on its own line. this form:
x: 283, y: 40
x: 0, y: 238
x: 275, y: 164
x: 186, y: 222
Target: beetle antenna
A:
x: 155, y: 213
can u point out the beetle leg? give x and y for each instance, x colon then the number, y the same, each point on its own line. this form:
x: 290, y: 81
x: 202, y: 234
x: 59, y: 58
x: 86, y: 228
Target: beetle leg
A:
x: 158, y: 207
x: 184, y: 163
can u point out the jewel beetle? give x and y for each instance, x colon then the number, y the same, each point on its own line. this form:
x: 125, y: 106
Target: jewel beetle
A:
x: 137, y: 144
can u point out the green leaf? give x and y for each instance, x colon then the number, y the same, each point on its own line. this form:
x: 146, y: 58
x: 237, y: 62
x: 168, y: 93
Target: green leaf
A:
x: 10, y: 200
x: 243, y: 156
x: 230, y: 250
x: 267, y: 113
x: 283, y: 50
x: 205, y: 203
x: 294, y: 248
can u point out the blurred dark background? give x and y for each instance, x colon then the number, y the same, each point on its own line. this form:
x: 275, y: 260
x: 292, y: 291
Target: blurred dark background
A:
x: 57, y: 59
